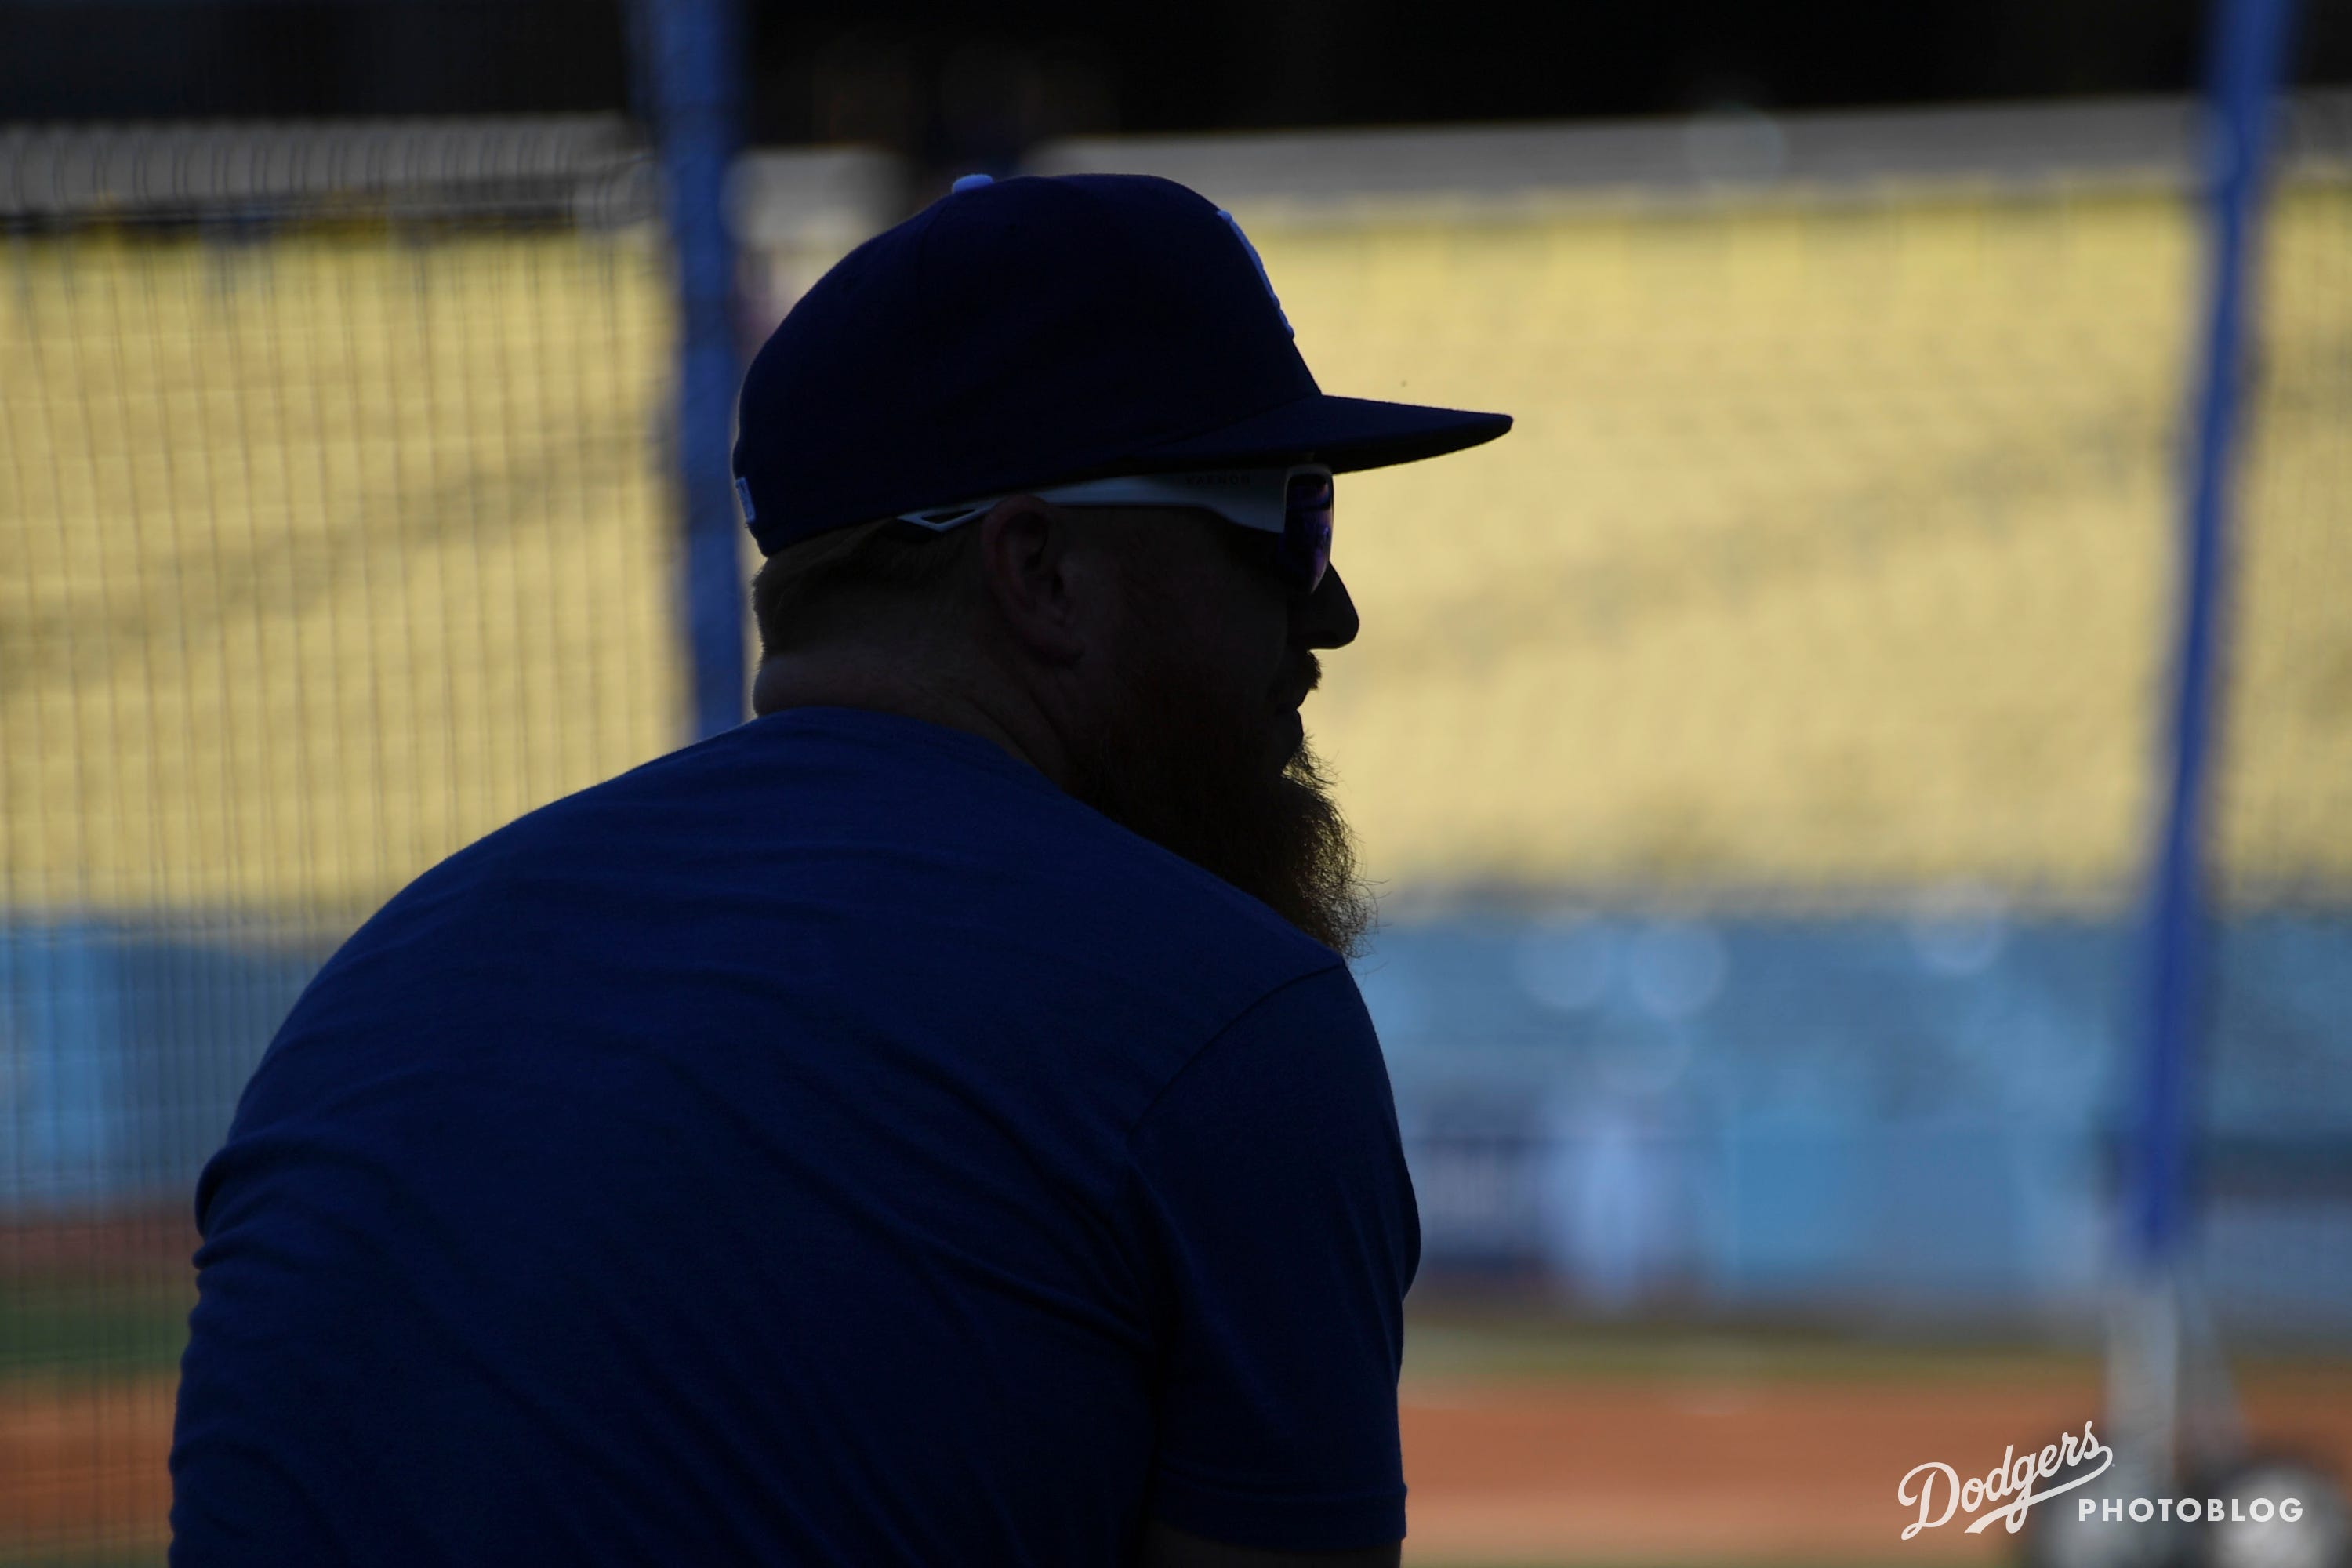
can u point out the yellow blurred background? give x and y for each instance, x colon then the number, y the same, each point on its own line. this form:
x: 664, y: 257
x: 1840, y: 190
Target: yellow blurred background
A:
x: 1828, y: 557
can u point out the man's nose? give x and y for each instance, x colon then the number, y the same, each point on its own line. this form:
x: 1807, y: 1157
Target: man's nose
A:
x: 1326, y: 618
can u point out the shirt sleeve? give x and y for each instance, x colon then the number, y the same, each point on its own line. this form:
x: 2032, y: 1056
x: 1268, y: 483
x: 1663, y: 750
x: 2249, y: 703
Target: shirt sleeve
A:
x: 1281, y: 1219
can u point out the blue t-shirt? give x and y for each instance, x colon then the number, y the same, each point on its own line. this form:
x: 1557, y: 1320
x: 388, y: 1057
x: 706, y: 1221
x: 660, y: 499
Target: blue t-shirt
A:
x: 830, y: 1144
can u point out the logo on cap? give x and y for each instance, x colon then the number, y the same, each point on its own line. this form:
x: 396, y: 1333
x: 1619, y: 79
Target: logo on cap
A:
x: 1259, y: 262
x: 743, y: 494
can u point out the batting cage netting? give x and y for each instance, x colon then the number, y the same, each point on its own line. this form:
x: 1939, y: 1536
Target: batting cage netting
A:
x: 1757, y: 749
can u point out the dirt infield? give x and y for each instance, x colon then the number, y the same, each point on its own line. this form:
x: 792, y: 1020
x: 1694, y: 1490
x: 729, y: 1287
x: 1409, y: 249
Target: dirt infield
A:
x: 82, y: 1468
x: 1611, y: 1469
x: 135, y: 1241
x: 1626, y: 1471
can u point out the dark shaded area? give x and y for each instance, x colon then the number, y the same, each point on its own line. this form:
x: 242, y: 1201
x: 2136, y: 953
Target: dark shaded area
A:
x: 912, y: 77
x: 971, y: 85
x: 176, y: 59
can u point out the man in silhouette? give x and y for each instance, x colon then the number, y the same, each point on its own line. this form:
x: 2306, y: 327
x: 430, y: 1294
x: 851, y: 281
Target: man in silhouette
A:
x: 933, y: 1122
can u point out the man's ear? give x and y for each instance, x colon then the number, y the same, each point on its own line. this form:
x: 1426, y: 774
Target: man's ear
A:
x: 1025, y: 558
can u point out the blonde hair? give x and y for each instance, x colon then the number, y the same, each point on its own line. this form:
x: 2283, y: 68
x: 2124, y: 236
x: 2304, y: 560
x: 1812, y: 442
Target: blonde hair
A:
x: 801, y: 590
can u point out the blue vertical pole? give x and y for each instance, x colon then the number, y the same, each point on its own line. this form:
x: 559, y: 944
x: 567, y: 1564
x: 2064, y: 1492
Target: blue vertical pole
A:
x: 2248, y: 55
x: 691, y: 50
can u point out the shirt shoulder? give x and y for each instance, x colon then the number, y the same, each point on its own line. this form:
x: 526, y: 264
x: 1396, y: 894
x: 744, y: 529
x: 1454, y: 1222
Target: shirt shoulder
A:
x: 837, y: 860
x: 941, y: 818
x: 1271, y: 1182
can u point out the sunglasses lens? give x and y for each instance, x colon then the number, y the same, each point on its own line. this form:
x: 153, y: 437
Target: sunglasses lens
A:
x: 1307, y: 529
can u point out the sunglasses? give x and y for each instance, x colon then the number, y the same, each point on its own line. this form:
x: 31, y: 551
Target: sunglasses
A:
x: 1294, y: 504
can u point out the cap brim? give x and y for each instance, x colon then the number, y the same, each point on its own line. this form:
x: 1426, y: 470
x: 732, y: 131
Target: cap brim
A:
x: 1346, y: 433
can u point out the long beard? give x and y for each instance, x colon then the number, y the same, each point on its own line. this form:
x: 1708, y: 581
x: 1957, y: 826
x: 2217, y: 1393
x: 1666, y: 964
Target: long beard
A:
x: 1195, y: 778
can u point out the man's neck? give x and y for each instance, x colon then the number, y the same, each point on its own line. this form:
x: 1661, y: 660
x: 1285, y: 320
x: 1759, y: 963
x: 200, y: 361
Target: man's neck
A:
x: 852, y: 678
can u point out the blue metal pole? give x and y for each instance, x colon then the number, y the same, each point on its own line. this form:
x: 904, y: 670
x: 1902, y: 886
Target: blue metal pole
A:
x: 692, y: 50
x: 2248, y: 55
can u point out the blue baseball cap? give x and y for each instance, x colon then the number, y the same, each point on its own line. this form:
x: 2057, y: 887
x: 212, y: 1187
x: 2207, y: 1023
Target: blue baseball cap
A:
x: 1033, y: 332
